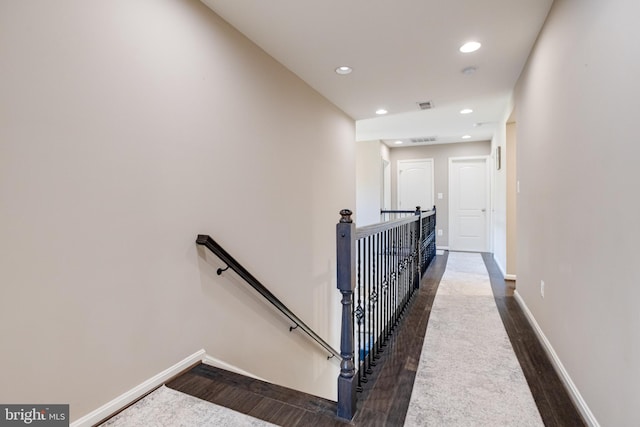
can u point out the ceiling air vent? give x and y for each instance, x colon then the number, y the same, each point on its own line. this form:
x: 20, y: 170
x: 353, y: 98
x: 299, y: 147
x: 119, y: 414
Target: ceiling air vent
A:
x: 427, y: 105
x: 424, y: 139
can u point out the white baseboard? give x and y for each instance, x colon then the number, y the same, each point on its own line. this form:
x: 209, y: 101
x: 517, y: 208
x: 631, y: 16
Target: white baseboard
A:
x: 217, y: 363
x: 559, y: 367
x: 443, y: 248
x: 137, y: 392
x: 500, y: 267
x: 502, y: 270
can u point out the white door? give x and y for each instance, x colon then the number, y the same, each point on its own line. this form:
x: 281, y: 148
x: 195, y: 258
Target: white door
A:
x: 468, y: 204
x: 415, y: 184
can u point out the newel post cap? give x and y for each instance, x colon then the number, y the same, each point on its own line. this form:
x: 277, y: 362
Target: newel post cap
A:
x: 345, y: 215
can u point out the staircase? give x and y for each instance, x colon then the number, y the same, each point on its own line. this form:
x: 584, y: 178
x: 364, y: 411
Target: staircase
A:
x: 379, y: 271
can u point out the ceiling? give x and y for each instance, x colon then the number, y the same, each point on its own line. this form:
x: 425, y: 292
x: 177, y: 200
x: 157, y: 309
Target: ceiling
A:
x: 402, y: 52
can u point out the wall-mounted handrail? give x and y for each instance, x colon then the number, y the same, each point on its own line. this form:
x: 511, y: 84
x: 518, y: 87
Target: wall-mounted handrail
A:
x: 213, y: 246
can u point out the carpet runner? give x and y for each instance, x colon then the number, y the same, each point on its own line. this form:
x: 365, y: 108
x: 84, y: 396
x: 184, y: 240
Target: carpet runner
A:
x: 468, y: 374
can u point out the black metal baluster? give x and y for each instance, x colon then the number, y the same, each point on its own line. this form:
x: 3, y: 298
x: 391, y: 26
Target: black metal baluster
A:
x: 412, y: 260
x: 396, y: 266
x: 379, y: 304
x: 407, y: 269
x: 372, y: 301
x: 404, y: 267
x: 417, y: 242
x: 359, y: 314
x: 387, y: 262
x: 376, y: 297
x: 425, y: 248
x: 410, y: 237
x: 402, y: 275
x: 365, y: 306
x: 392, y: 268
x: 385, y: 282
x: 410, y: 271
x: 367, y: 310
x: 406, y: 236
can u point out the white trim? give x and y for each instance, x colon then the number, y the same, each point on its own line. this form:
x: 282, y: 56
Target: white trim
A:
x: 433, y: 181
x: 137, y: 392
x: 217, y: 363
x: 559, y: 367
x: 489, y: 199
x: 444, y: 248
x: 502, y: 270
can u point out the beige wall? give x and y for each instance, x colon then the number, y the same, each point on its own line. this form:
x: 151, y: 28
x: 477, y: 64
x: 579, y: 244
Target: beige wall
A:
x: 578, y: 228
x: 440, y: 154
x: 368, y: 182
x: 127, y: 128
x: 511, y: 165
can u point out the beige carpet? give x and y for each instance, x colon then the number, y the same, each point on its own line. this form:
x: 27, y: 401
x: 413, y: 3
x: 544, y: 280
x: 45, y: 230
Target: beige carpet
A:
x: 468, y: 374
x: 166, y: 407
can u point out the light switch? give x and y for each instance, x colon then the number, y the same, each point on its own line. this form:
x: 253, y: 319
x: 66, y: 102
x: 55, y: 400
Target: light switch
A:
x: 439, y: 195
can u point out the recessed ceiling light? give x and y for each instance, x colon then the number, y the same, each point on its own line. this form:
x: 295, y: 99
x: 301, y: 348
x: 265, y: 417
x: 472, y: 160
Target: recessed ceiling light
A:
x: 398, y: 142
x: 344, y: 70
x: 466, y: 137
x: 466, y: 111
x: 470, y: 47
x: 381, y: 111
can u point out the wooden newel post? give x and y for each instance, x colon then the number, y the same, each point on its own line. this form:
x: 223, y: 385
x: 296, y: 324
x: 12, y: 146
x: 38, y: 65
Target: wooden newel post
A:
x: 346, y: 247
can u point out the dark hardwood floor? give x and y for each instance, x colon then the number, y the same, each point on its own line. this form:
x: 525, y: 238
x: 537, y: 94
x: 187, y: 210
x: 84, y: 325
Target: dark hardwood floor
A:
x: 269, y: 402
x: 549, y: 393
x: 385, y: 398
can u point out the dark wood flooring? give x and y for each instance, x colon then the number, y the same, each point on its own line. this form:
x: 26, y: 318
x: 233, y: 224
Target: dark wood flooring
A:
x: 385, y: 398
x: 549, y: 393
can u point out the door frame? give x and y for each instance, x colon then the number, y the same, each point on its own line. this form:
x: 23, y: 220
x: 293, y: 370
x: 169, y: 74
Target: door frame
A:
x: 433, y: 185
x: 489, y: 208
x: 385, y: 188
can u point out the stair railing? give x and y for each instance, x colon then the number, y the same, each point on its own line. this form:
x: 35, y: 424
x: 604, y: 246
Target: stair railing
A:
x: 390, y: 214
x: 379, y: 269
x: 234, y: 265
